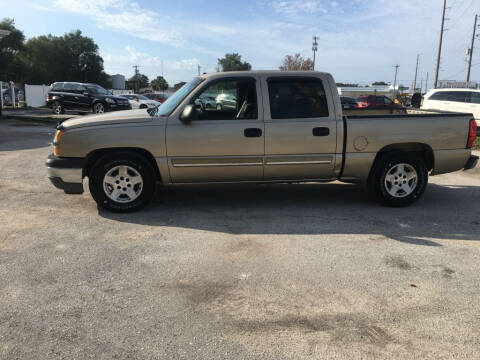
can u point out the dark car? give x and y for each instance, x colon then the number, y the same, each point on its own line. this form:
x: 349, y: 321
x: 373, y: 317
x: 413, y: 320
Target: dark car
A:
x: 377, y: 101
x: 83, y: 98
x: 157, y: 97
x: 348, y: 103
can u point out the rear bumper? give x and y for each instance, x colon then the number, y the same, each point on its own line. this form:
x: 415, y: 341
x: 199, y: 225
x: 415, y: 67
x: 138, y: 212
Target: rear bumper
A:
x: 66, y: 173
x: 471, y: 163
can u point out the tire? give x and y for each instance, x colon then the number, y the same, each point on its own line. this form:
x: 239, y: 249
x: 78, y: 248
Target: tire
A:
x: 143, y: 106
x: 114, y: 182
x: 398, y: 179
x: 57, y: 108
x: 98, y: 108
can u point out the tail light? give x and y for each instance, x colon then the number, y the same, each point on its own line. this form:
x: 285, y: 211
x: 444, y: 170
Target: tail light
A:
x: 472, y: 133
x: 47, y: 97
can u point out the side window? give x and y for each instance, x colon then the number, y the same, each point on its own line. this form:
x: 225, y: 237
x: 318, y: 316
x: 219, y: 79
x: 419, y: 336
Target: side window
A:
x: 69, y: 87
x: 387, y: 100
x: 227, y: 100
x: 459, y: 96
x: 475, y: 98
x: 439, y: 95
x: 79, y: 89
x: 297, y: 98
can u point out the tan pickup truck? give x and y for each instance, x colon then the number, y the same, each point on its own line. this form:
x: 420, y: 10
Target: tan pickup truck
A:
x: 250, y: 126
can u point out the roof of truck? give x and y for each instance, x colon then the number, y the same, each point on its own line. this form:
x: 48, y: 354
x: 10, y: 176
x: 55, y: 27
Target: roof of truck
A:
x: 263, y: 72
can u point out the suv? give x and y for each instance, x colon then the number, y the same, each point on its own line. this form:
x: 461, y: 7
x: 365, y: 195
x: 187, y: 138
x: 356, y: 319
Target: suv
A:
x: 83, y: 98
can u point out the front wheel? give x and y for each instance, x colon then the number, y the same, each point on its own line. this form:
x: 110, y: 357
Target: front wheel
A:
x: 98, y: 108
x: 122, y: 182
x: 398, y: 179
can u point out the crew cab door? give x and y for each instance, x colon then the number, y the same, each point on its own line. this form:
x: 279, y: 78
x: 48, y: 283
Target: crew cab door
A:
x: 221, y: 144
x: 300, y: 128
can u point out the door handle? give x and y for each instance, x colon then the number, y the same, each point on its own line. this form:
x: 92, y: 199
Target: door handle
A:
x: 321, y: 131
x: 252, y: 132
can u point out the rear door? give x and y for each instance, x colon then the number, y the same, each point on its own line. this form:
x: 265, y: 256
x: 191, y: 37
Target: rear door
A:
x: 300, y: 128
x: 222, y: 144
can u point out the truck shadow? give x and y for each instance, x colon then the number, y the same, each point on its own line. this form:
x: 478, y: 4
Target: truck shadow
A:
x: 445, y: 212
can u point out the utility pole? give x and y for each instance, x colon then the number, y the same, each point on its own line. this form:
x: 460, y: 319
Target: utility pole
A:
x: 439, y: 54
x: 395, y: 81
x: 136, y: 69
x: 426, y: 83
x: 471, y: 49
x: 314, y: 49
x: 415, y: 79
x: 199, y: 67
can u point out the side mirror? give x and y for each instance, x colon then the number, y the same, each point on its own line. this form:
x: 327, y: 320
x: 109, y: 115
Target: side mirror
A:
x: 187, y: 113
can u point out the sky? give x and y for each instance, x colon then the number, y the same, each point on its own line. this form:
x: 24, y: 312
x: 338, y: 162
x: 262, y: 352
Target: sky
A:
x: 359, y: 40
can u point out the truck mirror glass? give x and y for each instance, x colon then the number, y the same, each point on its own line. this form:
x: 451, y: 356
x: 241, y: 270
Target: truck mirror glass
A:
x: 187, y: 113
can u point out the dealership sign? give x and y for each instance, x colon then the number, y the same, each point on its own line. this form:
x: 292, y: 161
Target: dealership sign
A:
x: 452, y: 84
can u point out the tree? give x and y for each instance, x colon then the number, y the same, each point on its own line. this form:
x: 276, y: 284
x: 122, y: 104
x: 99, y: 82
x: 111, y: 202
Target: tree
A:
x: 71, y: 57
x: 379, y: 83
x: 233, y: 62
x: 346, y: 85
x: 159, y: 83
x: 296, y: 63
x: 139, y: 81
x: 10, y: 46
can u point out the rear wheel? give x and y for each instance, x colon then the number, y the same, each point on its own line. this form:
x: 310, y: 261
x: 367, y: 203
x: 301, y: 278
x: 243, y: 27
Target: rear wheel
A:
x: 58, y: 108
x: 122, y: 182
x: 398, y: 179
x: 143, y: 106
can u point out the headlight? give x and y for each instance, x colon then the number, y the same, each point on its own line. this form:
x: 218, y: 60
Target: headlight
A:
x: 56, y: 142
x: 110, y: 101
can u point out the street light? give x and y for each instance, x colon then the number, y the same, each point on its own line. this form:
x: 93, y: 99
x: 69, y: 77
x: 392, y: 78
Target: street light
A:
x: 314, y: 49
x: 3, y: 33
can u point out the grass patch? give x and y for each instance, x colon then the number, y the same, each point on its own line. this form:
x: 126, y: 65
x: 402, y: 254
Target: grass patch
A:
x: 476, y: 144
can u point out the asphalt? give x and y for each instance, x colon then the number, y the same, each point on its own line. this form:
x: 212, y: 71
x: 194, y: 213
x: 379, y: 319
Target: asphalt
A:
x: 306, y: 271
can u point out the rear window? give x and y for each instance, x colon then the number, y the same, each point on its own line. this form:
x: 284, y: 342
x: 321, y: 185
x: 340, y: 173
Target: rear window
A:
x: 57, y: 87
x: 459, y: 96
x: 297, y: 98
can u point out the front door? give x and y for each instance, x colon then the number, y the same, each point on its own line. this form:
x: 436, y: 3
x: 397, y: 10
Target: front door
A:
x: 222, y: 143
x: 300, y: 129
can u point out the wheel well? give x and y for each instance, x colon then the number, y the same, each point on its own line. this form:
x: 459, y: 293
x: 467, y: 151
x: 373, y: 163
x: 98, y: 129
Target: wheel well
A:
x: 422, y: 150
x: 93, y: 156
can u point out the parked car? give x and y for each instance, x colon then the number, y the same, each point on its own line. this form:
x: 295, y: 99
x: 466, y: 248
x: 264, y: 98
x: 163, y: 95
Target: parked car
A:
x: 157, y: 97
x: 138, y: 101
x: 285, y: 127
x: 225, y: 100
x: 377, y: 101
x: 348, y: 103
x: 208, y: 102
x: 82, y: 97
x: 460, y: 100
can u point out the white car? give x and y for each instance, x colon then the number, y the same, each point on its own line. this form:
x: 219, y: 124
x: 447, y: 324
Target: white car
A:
x: 458, y: 100
x: 141, y: 102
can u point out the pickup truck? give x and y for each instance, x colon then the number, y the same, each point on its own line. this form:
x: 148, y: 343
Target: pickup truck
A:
x: 279, y: 126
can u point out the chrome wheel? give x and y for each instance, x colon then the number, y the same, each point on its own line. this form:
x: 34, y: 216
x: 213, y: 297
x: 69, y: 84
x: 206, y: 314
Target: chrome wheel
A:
x: 123, y: 184
x: 57, y: 108
x: 99, y: 108
x: 401, y: 180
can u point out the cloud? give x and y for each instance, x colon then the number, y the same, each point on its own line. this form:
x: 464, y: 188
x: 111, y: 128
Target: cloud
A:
x: 299, y: 7
x: 125, y: 17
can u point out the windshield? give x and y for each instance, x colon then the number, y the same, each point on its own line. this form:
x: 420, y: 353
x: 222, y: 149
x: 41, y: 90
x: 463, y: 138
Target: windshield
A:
x: 95, y: 89
x: 172, y: 102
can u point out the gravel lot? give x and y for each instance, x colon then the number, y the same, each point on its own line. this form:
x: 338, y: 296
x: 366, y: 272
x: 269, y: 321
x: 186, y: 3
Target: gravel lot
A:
x: 240, y: 272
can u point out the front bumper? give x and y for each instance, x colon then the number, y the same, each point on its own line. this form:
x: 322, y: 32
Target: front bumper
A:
x: 471, y: 163
x: 118, y: 107
x: 66, y: 173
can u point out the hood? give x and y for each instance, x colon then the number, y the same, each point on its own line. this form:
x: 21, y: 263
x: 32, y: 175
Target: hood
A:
x: 110, y: 118
x: 153, y: 102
